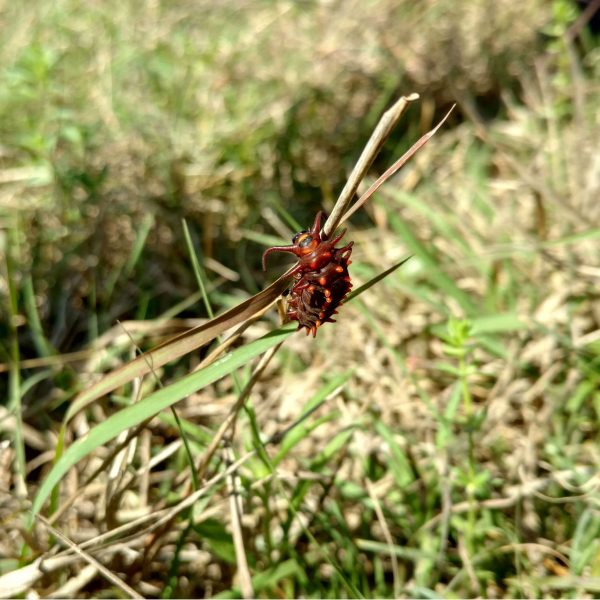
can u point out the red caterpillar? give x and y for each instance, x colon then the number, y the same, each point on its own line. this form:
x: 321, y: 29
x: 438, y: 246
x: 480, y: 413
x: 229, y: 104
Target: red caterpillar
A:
x: 321, y: 276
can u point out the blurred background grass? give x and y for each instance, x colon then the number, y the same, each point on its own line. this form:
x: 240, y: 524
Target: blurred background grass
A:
x: 457, y: 453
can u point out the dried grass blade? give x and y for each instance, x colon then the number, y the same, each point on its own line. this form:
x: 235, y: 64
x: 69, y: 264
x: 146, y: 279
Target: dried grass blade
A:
x: 387, y: 122
x: 178, y: 346
x: 395, y: 167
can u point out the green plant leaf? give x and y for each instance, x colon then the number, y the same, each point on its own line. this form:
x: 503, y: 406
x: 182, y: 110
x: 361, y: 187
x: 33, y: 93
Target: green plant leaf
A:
x: 148, y: 407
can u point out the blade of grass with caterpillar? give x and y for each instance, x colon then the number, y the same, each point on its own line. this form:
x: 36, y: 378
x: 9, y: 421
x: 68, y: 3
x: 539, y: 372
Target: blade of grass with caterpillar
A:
x: 195, y: 338
x: 244, y: 312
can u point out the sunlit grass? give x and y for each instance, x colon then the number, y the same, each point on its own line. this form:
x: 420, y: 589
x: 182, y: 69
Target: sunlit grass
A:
x: 440, y: 440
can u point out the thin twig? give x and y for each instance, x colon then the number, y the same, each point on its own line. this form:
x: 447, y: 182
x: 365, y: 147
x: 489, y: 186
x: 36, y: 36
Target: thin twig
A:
x: 90, y: 559
x: 235, y: 409
x: 235, y: 507
x: 57, y: 514
x: 468, y: 565
x: 17, y: 583
x: 167, y: 515
x: 387, y: 535
x: 584, y: 18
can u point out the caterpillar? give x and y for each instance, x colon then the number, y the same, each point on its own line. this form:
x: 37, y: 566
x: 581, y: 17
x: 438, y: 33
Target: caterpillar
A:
x: 321, y: 279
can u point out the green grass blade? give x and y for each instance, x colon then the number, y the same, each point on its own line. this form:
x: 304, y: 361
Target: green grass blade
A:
x: 363, y: 288
x: 263, y: 239
x: 267, y: 579
x: 148, y: 407
x: 42, y: 345
x: 139, y: 243
x: 398, y: 461
x: 197, y: 269
x: 304, y: 429
x: 134, y: 255
x: 434, y: 272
